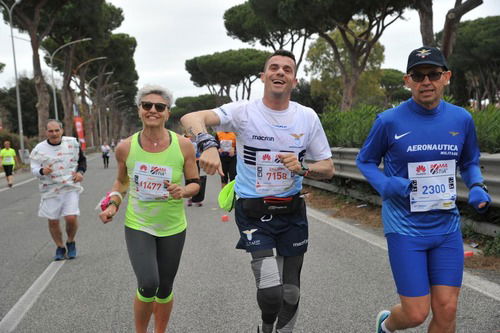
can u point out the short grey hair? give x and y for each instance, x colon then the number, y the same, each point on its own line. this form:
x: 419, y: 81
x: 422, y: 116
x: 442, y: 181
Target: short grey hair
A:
x: 54, y: 121
x: 157, y: 90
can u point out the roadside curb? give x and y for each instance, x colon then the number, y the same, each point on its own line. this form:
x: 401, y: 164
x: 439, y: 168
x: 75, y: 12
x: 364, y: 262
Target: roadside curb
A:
x: 484, y: 228
x: 486, y: 287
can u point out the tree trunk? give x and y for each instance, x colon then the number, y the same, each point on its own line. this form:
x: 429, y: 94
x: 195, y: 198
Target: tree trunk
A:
x: 67, y: 93
x: 88, y: 123
x: 451, y: 24
x: 349, y: 92
x: 67, y: 101
x: 424, y: 8
x: 42, y: 92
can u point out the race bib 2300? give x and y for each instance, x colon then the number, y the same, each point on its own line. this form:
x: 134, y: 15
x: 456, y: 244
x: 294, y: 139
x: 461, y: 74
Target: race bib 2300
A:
x: 433, y: 185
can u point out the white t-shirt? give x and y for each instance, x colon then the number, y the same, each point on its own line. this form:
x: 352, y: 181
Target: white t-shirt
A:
x: 105, y: 149
x: 63, y: 159
x: 263, y: 133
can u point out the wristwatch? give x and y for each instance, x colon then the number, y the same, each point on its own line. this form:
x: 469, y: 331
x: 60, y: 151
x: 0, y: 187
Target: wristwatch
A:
x: 481, y: 185
x: 305, y: 169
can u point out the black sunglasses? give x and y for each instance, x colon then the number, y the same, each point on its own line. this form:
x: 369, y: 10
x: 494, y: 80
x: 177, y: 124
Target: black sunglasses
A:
x: 160, y: 107
x: 420, y: 77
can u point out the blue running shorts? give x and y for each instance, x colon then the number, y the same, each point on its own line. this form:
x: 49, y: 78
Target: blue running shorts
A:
x: 287, y: 233
x: 418, y: 262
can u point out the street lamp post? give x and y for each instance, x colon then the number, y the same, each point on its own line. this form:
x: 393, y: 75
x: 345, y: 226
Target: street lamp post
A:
x: 18, y: 95
x: 95, y: 77
x: 98, y: 106
x: 107, y: 99
x: 87, y: 62
x: 51, y: 57
x: 88, y: 116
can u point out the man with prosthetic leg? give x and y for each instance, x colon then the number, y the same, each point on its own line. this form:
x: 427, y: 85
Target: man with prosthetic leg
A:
x: 274, y: 137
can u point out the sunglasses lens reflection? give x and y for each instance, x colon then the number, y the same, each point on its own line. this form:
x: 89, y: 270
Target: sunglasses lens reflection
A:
x: 160, y: 107
x: 146, y: 105
x: 434, y: 76
x: 419, y: 77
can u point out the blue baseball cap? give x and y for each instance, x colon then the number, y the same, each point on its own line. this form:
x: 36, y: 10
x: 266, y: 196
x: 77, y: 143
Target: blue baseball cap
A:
x: 426, y: 55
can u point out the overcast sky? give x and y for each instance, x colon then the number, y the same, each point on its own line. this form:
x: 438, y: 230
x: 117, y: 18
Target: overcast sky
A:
x: 169, y: 32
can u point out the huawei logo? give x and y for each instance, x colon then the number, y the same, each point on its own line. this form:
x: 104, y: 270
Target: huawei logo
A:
x: 421, y: 168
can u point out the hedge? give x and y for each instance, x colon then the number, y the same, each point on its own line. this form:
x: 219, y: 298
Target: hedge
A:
x: 350, y: 129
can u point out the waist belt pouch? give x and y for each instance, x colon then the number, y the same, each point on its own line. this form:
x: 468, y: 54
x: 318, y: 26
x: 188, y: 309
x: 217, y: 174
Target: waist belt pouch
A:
x: 258, y: 207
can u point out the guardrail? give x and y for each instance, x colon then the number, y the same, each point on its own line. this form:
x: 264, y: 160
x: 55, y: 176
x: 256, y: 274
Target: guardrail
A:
x: 345, y: 166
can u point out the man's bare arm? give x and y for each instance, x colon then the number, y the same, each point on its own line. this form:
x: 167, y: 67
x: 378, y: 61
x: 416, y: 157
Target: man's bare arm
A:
x: 323, y: 169
x: 197, y: 122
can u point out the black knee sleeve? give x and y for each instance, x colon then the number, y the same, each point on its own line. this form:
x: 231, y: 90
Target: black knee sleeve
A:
x: 164, y: 291
x: 147, y: 292
x: 266, y: 269
x: 291, y: 294
x: 269, y: 300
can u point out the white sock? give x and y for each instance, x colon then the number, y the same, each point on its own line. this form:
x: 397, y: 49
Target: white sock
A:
x: 385, y: 329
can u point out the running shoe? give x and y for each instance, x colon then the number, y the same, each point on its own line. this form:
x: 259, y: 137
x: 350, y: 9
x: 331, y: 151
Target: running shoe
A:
x: 382, y: 315
x: 60, y: 253
x: 71, y: 250
x: 199, y: 204
x: 259, y: 330
x: 190, y: 203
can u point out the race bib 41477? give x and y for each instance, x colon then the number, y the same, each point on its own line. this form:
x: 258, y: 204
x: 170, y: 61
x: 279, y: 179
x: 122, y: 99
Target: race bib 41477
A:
x: 149, y: 181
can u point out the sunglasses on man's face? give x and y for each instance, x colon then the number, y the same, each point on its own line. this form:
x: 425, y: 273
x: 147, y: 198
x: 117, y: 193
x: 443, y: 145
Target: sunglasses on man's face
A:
x: 420, y: 77
x: 160, y: 107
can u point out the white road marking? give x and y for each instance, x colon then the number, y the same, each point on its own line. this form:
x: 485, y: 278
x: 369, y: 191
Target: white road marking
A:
x: 18, y: 184
x: 479, y: 284
x: 14, y: 316
x: 19, y: 310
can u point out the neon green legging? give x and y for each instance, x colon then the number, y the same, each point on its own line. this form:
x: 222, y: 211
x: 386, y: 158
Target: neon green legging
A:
x: 154, y: 298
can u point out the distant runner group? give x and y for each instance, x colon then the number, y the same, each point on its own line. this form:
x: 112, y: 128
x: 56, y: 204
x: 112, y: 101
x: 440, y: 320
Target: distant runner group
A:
x: 265, y: 148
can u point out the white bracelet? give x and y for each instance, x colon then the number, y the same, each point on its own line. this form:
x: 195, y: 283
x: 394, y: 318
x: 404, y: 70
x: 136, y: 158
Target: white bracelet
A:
x: 118, y: 194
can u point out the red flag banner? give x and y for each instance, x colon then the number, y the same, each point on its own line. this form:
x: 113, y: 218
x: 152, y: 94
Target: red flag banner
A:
x: 80, y: 132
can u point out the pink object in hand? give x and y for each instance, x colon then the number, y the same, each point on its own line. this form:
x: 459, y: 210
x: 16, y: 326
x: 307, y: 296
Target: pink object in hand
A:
x: 105, y: 202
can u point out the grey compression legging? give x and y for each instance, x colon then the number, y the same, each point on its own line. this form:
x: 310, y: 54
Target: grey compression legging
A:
x: 155, y: 261
x: 278, y: 289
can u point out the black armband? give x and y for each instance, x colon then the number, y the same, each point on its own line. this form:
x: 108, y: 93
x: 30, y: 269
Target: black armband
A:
x: 205, y: 141
x: 192, y: 180
x: 82, y: 162
x: 481, y: 185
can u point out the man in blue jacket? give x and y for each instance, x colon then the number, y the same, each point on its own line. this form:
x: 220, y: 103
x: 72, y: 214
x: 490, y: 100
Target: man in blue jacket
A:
x: 423, y: 142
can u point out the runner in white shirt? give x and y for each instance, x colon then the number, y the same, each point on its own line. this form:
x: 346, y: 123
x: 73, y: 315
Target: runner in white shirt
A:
x: 59, y: 164
x: 105, y: 149
x: 274, y: 138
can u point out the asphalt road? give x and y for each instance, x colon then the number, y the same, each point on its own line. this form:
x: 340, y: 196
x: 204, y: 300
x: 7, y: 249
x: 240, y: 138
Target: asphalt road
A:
x: 346, y: 278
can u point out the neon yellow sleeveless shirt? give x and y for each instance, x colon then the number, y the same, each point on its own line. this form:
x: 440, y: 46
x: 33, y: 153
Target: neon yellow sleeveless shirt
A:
x: 149, y: 208
x: 8, y: 156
